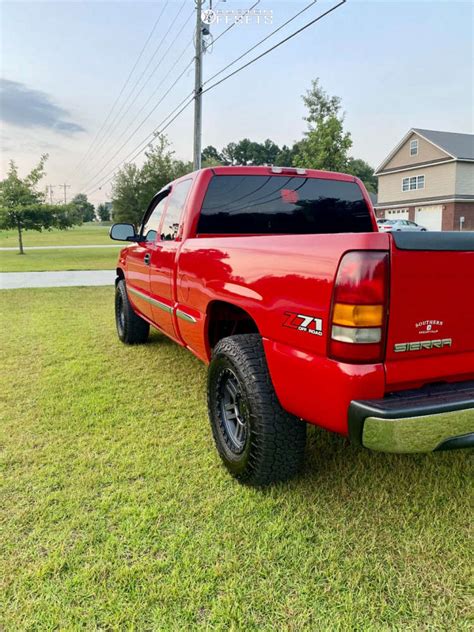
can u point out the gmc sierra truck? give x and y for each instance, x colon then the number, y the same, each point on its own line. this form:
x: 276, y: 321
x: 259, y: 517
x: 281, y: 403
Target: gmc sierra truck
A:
x: 279, y: 280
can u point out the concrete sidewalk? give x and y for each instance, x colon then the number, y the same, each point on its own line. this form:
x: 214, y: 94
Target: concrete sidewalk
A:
x: 13, y: 248
x: 15, y: 280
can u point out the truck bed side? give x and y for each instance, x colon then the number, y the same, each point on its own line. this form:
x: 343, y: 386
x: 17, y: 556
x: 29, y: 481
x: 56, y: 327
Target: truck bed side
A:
x: 274, y: 278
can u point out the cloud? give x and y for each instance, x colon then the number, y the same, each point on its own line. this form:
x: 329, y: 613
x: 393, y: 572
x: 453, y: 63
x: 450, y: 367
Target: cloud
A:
x: 25, y: 107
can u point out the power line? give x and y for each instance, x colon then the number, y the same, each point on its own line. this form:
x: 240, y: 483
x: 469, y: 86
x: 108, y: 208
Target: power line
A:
x: 101, y: 144
x: 269, y: 50
x: 261, y: 41
x: 49, y: 188
x: 266, y: 52
x: 145, y: 119
x: 64, y: 187
x: 145, y: 142
x: 233, y: 23
x: 115, y: 123
x: 148, y: 101
x: 124, y: 85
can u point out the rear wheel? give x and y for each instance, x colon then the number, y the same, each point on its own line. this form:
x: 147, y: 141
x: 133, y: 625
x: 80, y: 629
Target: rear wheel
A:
x: 131, y: 329
x: 257, y: 440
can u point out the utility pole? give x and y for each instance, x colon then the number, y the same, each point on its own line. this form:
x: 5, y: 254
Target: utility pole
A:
x: 198, y: 88
x: 50, y: 187
x: 64, y: 187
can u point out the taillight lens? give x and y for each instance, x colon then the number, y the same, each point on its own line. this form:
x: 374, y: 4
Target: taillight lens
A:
x: 359, y: 309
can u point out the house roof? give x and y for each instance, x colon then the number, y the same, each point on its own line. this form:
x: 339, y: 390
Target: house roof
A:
x: 458, y: 145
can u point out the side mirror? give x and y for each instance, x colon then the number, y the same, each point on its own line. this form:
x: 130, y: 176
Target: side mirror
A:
x: 123, y: 232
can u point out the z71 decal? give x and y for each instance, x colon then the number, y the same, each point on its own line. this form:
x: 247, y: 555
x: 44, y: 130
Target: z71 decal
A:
x: 302, y: 322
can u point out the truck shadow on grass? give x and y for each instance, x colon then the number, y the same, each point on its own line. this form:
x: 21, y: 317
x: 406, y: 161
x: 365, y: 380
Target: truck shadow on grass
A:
x: 335, y: 468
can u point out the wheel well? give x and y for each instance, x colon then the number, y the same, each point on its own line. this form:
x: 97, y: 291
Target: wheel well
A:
x: 120, y: 275
x: 225, y: 319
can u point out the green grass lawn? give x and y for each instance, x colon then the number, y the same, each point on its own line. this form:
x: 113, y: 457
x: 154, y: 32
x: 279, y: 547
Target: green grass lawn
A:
x: 115, y: 512
x: 90, y: 233
x: 73, y: 259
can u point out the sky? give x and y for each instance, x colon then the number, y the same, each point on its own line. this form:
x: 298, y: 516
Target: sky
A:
x: 395, y: 65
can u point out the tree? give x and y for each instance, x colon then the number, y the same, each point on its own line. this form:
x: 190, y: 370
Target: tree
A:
x: 84, y: 208
x: 285, y: 156
x: 134, y: 187
x: 326, y: 144
x: 22, y: 206
x: 228, y: 154
x: 210, y: 157
x: 103, y: 211
x: 361, y: 169
x: 160, y: 168
x: 126, y: 195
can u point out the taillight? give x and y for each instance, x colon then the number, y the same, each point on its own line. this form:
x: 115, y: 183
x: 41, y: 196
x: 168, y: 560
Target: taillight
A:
x: 359, y: 307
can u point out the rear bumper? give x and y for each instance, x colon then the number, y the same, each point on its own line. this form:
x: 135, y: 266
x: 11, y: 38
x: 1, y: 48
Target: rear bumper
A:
x: 432, y: 418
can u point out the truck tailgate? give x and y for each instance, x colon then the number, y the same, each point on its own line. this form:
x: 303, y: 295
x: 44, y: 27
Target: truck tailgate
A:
x: 431, y: 314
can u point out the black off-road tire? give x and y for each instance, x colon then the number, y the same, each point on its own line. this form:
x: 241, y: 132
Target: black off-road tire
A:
x: 273, y: 443
x: 131, y: 329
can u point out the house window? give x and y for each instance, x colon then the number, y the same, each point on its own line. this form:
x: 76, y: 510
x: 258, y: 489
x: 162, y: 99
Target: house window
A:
x: 414, y: 147
x: 413, y: 182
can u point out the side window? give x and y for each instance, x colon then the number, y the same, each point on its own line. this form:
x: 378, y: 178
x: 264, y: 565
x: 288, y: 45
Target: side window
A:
x: 152, y: 223
x: 178, y: 197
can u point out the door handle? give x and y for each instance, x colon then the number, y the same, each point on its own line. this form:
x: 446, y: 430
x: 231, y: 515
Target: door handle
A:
x: 146, y: 259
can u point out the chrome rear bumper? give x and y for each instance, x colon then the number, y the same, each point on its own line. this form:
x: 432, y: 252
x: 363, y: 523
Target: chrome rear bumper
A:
x: 432, y: 418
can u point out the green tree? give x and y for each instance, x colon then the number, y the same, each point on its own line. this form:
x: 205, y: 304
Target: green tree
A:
x: 126, y: 195
x: 160, y: 168
x: 247, y: 152
x: 361, y: 169
x: 228, y: 154
x: 286, y: 155
x: 326, y: 144
x: 210, y: 157
x: 134, y: 187
x: 103, y: 211
x: 83, y: 207
x: 22, y: 206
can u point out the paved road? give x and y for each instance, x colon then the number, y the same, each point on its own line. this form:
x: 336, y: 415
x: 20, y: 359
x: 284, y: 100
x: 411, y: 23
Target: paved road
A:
x: 15, y: 280
x: 62, y: 247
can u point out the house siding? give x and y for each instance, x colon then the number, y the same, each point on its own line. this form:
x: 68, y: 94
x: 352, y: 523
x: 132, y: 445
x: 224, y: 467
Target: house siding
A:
x: 440, y: 180
x: 465, y: 178
x: 426, y: 153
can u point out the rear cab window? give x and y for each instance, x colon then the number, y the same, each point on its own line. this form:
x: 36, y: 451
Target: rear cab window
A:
x: 279, y: 204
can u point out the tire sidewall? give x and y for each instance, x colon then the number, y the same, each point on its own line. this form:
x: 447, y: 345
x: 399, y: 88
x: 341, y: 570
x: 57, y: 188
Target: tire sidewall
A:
x: 121, y: 299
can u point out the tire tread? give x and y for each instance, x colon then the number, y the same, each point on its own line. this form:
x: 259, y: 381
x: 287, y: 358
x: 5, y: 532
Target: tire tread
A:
x: 278, y: 438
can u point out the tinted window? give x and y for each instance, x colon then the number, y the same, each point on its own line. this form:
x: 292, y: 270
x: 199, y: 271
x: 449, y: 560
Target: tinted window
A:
x: 152, y: 223
x: 283, y: 205
x: 174, y: 211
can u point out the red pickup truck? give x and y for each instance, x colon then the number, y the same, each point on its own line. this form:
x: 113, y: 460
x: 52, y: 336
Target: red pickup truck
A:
x: 280, y: 281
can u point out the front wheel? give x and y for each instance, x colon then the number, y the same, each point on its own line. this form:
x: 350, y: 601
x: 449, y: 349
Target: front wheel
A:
x: 131, y: 329
x: 258, y: 441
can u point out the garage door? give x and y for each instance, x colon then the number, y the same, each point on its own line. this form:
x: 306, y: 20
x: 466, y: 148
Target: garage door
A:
x: 397, y: 213
x: 430, y: 217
